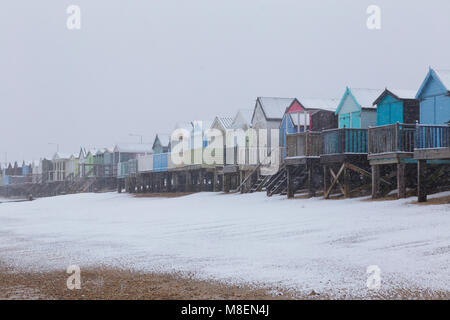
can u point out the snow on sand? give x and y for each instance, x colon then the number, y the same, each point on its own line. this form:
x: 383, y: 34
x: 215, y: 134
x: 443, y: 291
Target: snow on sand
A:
x: 307, y: 244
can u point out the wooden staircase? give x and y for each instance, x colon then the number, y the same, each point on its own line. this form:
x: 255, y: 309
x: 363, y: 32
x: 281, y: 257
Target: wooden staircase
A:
x: 277, y: 183
x: 259, y: 184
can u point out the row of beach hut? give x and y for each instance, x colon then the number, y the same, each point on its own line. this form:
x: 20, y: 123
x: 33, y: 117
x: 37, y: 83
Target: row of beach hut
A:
x: 375, y: 141
x: 371, y: 140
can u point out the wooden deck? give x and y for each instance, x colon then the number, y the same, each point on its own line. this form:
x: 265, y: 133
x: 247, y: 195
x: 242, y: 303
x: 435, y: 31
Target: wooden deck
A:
x: 432, y: 143
x: 303, y: 147
x: 344, y: 145
x: 391, y: 144
x: 432, y: 154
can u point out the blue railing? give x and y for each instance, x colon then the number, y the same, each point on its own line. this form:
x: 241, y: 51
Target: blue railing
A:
x: 345, y: 140
x: 432, y: 136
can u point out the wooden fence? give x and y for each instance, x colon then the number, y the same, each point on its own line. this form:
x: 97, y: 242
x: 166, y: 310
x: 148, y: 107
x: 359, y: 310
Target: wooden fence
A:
x: 392, y: 138
x: 304, y: 144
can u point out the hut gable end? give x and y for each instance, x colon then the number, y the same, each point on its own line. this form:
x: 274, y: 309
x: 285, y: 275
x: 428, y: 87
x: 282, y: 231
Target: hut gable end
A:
x: 432, y: 86
x: 348, y: 104
x: 434, y: 96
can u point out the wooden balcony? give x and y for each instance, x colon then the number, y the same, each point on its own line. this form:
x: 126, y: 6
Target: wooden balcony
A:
x: 344, y: 143
x: 391, y: 143
x: 432, y: 142
x: 303, y: 146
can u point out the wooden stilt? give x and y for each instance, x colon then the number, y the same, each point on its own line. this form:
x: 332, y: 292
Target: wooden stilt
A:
x: 215, y: 181
x: 169, y: 182
x: 119, y: 185
x: 200, y: 182
x: 314, y: 175
x: 375, y: 181
x: 188, y: 181
x: 401, y: 183
x: 290, y: 182
x: 347, y: 182
x: 421, y: 177
x: 309, y: 178
x: 226, y: 183
x: 325, y: 179
x: 241, y: 179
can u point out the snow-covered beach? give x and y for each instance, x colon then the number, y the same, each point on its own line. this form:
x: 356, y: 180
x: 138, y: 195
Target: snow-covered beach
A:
x: 301, y: 244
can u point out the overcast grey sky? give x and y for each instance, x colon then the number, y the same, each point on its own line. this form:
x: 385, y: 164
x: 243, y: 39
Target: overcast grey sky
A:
x: 139, y: 66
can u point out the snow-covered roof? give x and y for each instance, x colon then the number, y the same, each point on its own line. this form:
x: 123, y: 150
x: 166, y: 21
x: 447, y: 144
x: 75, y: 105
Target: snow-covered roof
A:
x: 164, y: 139
x: 398, y: 93
x: 225, y: 122
x: 103, y: 150
x: 403, y: 93
x: 61, y: 156
x: 365, y: 97
x: 94, y: 151
x: 444, y: 76
x: 246, y: 115
x: 274, y: 108
x: 133, y: 148
x: 319, y: 103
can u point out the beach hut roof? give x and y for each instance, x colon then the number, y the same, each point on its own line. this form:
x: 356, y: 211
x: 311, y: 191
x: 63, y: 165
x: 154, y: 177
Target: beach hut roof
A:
x: 400, y: 94
x: 319, y: 103
x: 274, y: 108
x: 61, y: 156
x: 224, y: 122
x: 444, y: 76
x: 164, y: 139
x: 133, y: 148
x: 363, y: 97
x: 246, y: 115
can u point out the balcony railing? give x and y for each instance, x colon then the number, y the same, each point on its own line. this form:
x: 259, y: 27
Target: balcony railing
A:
x: 432, y: 136
x: 304, y: 144
x: 344, y: 140
x: 392, y: 138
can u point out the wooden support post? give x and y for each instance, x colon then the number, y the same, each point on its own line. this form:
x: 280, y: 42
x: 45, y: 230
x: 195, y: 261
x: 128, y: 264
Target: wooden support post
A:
x: 290, y: 182
x: 188, y: 181
x: 421, y: 177
x: 312, y: 190
x: 375, y: 181
x: 250, y: 181
x: 160, y: 182
x: 310, y: 179
x: 226, y: 182
x: 169, y: 182
x: 401, y: 183
x: 346, y: 182
x: 325, y: 179
x: 200, y: 182
x: 177, y: 180
x: 215, y: 181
